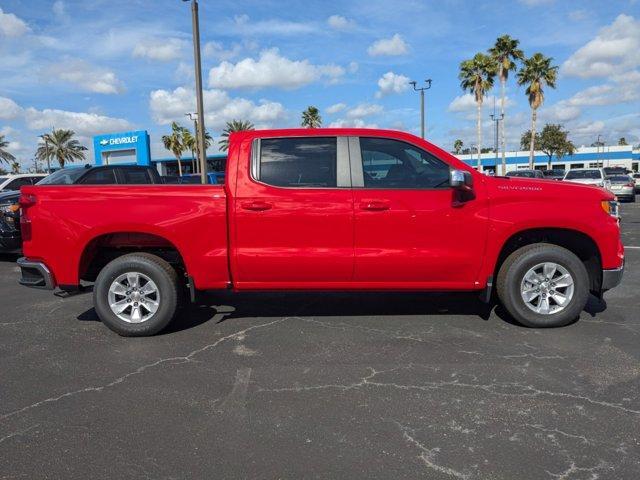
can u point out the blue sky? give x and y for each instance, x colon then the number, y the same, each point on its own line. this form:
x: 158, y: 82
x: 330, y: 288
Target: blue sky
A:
x: 103, y: 66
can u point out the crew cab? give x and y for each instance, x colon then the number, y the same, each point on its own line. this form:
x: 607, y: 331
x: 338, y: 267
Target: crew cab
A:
x: 325, y: 209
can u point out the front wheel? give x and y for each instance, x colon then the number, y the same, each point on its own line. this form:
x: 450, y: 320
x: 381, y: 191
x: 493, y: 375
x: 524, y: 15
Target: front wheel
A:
x: 543, y: 285
x: 136, y: 294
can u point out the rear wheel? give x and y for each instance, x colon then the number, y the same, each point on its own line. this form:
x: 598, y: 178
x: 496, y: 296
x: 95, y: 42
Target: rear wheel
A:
x: 136, y: 294
x: 543, y: 285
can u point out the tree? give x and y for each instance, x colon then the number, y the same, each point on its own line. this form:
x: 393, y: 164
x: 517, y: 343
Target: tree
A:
x: 554, y: 141
x: 505, y: 52
x: 175, y: 143
x: 536, y: 73
x: 15, y: 167
x: 525, y: 140
x: 622, y: 142
x: 476, y: 77
x: 61, y: 146
x: 457, y: 146
x: 311, y: 118
x: 190, y: 143
x: 233, y: 126
x: 5, y: 156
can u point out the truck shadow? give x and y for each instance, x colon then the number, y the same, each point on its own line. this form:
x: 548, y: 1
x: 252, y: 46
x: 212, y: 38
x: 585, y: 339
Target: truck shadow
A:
x: 220, y: 307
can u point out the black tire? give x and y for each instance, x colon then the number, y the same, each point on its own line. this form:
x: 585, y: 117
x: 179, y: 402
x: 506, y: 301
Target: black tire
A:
x: 518, y: 264
x: 159, y: 271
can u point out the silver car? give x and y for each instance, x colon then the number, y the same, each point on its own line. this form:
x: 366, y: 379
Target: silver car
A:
x: 588, y: 176
x: 623, y: 187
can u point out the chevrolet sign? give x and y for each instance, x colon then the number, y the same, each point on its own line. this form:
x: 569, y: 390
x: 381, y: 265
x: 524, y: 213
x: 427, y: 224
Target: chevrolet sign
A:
x: 119, y: 140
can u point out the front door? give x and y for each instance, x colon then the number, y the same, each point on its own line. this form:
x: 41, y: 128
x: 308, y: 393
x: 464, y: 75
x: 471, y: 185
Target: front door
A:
x: 294, y: 215
x: 410, y: 229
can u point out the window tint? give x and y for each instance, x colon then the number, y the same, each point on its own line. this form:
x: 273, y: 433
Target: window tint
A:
x: 100, y: 176
x: 298, y: 162
x: 394, y: 164
x: 584, y: 174
x: 17, y: 183
x: 135, y: 176
x: 66, y: 176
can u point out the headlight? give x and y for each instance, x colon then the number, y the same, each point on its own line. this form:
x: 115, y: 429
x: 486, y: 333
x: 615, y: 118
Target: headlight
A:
x: 610, y: 207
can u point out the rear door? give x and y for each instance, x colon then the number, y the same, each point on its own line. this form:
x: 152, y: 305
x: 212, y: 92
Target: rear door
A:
x: 411, y: 229
x: 294, y: 215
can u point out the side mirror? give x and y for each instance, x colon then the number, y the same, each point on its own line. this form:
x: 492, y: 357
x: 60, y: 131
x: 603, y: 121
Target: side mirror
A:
x: 461, y: 180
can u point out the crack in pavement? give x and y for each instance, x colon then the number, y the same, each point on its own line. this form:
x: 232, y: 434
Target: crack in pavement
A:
x: 525, y: 390
x: 19, y: 432
x: 171, y: 360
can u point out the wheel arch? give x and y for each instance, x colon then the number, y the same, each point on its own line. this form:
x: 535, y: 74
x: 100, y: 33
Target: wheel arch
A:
x: 577, y: 242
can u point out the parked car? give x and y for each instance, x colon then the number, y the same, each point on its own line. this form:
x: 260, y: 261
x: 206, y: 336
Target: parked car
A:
x: 325, y: 209
x: 611, y: 171
x: 525, y: 173
x: 15, y: 181
x: 10, y: 240
x: 103, y: 175
x: 623, y: 187
x: 553, y: 174
x: 588, y: 176
x: 213, y: 178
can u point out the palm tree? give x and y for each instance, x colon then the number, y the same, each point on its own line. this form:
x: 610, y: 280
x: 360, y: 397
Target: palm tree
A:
x: 536, y: 73
x: 457, y: 146
x: 5, y: 156
x: 60, y: 145
x: 476, y: 77
x: 311, y: 117
x: 175, y: 143
x: 233, y: 126
x: 190, y: 143
x: 504, y: 52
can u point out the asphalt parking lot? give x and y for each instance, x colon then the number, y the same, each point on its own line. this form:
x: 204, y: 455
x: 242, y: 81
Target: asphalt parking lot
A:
x: 322, y: 386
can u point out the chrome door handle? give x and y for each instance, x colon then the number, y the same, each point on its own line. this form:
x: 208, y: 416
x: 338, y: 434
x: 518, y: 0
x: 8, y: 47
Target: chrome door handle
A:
x: 256, y: 205
x: 374, y: 205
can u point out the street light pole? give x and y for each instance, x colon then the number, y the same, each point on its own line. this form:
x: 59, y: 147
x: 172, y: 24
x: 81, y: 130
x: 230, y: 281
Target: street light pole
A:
x: 497, y: 119
x: 421, y: 90
x: 202, y: 151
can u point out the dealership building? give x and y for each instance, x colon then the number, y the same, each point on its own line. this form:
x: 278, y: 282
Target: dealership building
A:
x: 583, y: 157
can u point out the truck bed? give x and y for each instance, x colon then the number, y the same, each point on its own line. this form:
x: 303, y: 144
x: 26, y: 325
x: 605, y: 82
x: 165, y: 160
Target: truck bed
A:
x: 73, y: 219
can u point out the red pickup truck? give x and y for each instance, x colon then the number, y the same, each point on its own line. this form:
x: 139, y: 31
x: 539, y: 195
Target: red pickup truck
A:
x: 325, y: 209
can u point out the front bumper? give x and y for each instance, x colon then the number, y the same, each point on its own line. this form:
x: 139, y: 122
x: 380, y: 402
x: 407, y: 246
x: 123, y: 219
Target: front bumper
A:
x: 612, y: 278
x: 35, y: 274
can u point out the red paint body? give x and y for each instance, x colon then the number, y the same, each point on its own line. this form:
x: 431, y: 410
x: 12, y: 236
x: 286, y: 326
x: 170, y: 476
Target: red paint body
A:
x: 255, y: 236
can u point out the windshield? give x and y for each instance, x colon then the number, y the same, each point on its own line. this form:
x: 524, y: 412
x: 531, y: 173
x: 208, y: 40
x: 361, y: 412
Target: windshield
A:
x: 66, y: 176
x: 584, y: 174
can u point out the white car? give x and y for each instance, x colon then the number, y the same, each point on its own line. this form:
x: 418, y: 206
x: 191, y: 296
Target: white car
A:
x: 588, y: 176
x: 14, y: 182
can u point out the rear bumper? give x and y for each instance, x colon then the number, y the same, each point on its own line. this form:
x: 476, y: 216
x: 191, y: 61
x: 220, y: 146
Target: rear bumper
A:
x: 35, y: 274
x: 612, y: 278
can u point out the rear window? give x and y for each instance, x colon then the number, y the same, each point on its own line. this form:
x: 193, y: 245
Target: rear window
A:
x: 298, y: 162
x: 132, y: 176
x: 620, y: 178
x: 66, y: 176
x: 584, y: 174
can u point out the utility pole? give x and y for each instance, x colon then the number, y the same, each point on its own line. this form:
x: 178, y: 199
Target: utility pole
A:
x: 497, y: 119
x: 202, y: 151
x: 421, y: 90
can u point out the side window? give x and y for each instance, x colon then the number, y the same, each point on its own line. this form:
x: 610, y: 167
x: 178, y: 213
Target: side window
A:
x: 133, y: 176
x: 101, y: 176
x: 17, y: 183
x: 389, y: 163
x: 297, y: 162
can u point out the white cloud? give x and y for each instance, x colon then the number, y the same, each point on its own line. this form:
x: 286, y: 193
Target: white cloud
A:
x: 392, y: 83
x: 352, y: 122
x: 467, y: 103
x: 271, y: 70
x: 9, y: 109
x: 161, y: 49
x: 85, y: 124
x: 339, y: 22
x: 364, y: 110
x: 242, y: 25
x: 88, y: 77
x: 393, y: 46
x: 336, y: 107
x: 167, y: 106
x: 12, y: 26
x: 216, y: 50
x: 535, y: 3
x: 616, y: 48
